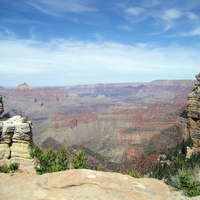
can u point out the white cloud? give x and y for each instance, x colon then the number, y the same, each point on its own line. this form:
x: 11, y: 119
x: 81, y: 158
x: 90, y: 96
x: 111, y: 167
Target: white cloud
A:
x: 151, y: 3
x: 98, y: 36
x: 56, y: 8
x: 159, y: 18
x: 167, y: 19
x: 134, y: 10
x: 171, y: 14
x: 64, y: 62
x: 163, y: 15
x: 126, y: 27
x: 195, y: 32
x: 192, y: 16
x: 4, y: 31
x: 142, y: 45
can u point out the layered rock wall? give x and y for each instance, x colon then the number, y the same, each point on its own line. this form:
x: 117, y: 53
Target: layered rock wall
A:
x: 36, y: 95
x: 16, y: 140
x: 193, y: 114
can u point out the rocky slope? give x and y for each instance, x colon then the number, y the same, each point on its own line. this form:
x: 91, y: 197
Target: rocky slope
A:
x: 193, y: 114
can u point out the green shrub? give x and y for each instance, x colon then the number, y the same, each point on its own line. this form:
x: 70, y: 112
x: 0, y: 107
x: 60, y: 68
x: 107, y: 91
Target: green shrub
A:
x: 4, y: 169
x: 9, y: 168
x: 13, y: 167
x: 49, y: 161
x: 62, y: 159
x: 135, y: 174
x: 174, y: 160
x: 79, y: 160
x: 99, y: 168
x: 184, y: 114
x: 177, y: 171
x: 189, y: 185
x: 52, y: 160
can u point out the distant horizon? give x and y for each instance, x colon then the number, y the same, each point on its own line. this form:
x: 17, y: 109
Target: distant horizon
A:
x: 76, y: 42
x: 137, y: 82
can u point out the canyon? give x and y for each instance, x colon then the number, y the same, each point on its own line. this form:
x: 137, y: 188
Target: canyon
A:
x: 119, y: 124
x: 118, y: 121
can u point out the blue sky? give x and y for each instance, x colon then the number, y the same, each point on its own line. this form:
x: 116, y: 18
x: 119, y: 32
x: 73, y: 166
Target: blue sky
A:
x: 71, y: 42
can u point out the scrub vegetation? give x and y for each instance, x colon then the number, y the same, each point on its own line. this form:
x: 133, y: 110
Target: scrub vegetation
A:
x: 175, y: 169
x: 51, y: 160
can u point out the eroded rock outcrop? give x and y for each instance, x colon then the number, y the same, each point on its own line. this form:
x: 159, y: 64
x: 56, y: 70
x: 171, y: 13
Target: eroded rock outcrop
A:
x: 81, y: 184
x: 16, y: 139
x: 1, y: 105
x: 193, y: 114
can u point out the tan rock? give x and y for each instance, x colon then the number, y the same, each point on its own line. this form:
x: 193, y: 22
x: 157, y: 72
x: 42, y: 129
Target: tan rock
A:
x: 81, y: 185
x: 4, y: 151
x: 20, y: 150
x: 193, y: 113
x: 16, y: 141
x: 189, y: 152
x: 182, y: 128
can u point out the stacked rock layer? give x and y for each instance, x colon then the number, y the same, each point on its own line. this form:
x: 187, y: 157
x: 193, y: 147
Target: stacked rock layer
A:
x: 16, y: 140
x: 193, y: 114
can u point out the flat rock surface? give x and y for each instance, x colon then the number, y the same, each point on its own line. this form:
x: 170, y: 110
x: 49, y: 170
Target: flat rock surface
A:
x: 80, y: 184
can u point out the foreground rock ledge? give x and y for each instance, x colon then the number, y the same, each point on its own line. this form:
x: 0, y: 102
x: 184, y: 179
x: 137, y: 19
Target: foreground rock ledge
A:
x: 80, y: 184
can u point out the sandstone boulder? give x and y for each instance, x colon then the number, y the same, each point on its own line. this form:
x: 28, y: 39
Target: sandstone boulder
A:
x: 81, y: 184
x: 16, y: 141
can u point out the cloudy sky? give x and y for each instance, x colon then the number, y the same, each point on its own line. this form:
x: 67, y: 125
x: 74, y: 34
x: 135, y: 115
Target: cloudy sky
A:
x: 70, y: 42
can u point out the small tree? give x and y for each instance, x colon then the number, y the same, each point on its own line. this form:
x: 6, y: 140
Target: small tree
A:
x: 51, y: 161
x: 79, y: 160
x: 62, y: 159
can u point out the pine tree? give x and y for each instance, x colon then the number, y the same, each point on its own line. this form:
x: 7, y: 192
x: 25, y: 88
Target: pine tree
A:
x: 79, y: 160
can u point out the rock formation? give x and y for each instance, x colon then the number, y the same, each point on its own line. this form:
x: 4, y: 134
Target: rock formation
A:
x: 1, y: 105
x: 81, y: 184
x: 23, y: 86
x: 38, y: 95
x: 16, y: 140
x: 193, y: 114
